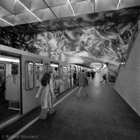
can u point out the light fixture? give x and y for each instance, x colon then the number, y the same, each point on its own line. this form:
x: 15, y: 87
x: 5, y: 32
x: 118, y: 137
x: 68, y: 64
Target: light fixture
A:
x: 122, y: 63
x: 6, y: 21
x: 28, y: 10
x: 38, y: 64
x: 118, y: 5
x: 68, y: 1
x: 104, y: 66
x: 8, y: 59
x: 53, y: 65
x: 95, y: 64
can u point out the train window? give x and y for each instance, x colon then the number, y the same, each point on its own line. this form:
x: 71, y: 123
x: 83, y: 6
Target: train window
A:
x: 2, y: 74
x: 61, y: 71
x: 29, y: 75
x: 54, y: 66
x: 2, y: 70
x: 14, y: 69
x: 64, y: 73
x: 69, y: 72
x: 46, y: 68
x: 39, y: 73
x: 72, y: 70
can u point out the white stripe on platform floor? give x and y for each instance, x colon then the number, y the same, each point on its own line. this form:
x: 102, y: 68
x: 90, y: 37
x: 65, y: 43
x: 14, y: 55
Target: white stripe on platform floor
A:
x: 16, y: 135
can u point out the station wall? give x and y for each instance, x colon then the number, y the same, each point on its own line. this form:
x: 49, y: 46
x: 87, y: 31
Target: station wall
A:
x: 128, y: 80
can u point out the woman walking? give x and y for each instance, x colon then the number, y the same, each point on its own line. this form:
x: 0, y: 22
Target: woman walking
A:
x: 46, y: 97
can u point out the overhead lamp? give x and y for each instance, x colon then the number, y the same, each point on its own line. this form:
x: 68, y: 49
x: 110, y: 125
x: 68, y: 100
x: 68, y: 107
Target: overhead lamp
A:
x: 28, y: 10
x: 68, y: 1
x: 54, y: 65
x: 122, y: 63
x: 104, y: 66
x: 95, y: 64
x: 38, y: 64
x: 118, y: 5
x: 8, y: 59
x: 6, y: 21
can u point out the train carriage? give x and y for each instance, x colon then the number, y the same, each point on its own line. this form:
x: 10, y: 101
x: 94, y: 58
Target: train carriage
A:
x: 20, y: 73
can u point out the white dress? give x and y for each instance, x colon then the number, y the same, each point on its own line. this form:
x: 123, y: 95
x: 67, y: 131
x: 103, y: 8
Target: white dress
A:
x: 46, y: 97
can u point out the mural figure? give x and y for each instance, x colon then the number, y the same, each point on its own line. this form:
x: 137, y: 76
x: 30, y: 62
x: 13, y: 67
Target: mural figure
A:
x: 104, y: 36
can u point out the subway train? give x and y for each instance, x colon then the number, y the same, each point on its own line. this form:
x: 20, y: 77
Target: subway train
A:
x: 20, y: 75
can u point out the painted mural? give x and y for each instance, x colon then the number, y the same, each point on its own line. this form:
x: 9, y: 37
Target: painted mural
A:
x: 102, y: 37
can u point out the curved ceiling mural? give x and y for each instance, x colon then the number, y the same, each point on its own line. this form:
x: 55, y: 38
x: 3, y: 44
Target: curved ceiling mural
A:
x: 97, y: 37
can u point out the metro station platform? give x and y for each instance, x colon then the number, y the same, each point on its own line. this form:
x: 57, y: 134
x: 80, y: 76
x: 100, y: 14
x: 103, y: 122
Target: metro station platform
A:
x: 100, y: 114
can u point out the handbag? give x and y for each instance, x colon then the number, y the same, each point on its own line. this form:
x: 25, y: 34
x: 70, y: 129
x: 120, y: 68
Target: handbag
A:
x: 61, y: 82
x: 58, y: 83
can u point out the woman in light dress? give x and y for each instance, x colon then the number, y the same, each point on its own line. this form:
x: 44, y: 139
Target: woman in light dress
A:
x: 46, y: 92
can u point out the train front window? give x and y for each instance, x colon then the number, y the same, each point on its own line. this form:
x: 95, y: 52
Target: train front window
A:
x: 39, y: 73
x: 29, y: 75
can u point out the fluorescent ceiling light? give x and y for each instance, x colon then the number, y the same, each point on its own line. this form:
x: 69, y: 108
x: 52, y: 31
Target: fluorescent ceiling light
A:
x: 8, y: 59
x: 6, y: 21
x: 38, y: 64
x: 104, y: 66
x: 30, y: 63
x: 118, y: 5
x: 54, y: 65
x: 95, y: 65
x: 28, y: 10
x: 68, y: 1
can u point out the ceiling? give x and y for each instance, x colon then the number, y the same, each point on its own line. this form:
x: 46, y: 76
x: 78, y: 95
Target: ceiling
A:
x: 80, y: 31
x: 16, y: 12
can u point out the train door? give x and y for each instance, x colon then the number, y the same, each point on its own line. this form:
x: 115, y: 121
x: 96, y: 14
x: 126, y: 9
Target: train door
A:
x: 10, y: 88
x: 73, y: 75
x: 32, y: 71
x: 46, y: 66
x: 54, y: 68
x: 69, y: 75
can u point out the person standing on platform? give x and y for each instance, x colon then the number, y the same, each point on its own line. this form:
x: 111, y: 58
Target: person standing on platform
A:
x: 82, y: 82
x: 104, y: 78
x: 105, y: 74
x: 75, y: 77
x: 53, y: 96
x: 92, y: 74
x: 88, y: 74
x: 55, y: 76
x: 46, y: 101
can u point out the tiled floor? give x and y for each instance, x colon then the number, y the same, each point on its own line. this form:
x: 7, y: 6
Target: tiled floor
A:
x: 101, y: 114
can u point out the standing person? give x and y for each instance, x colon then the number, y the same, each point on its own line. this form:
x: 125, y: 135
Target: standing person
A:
x: 104, y: 78
x: 55, y: 72
x: 53, y: 97
x: 92, y: 74
x: 75, y: 77
x: 45, y: 92
x: 105, y: 74
x: 82, y: 82
x: 88, y: 74
x: 55, y: 77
